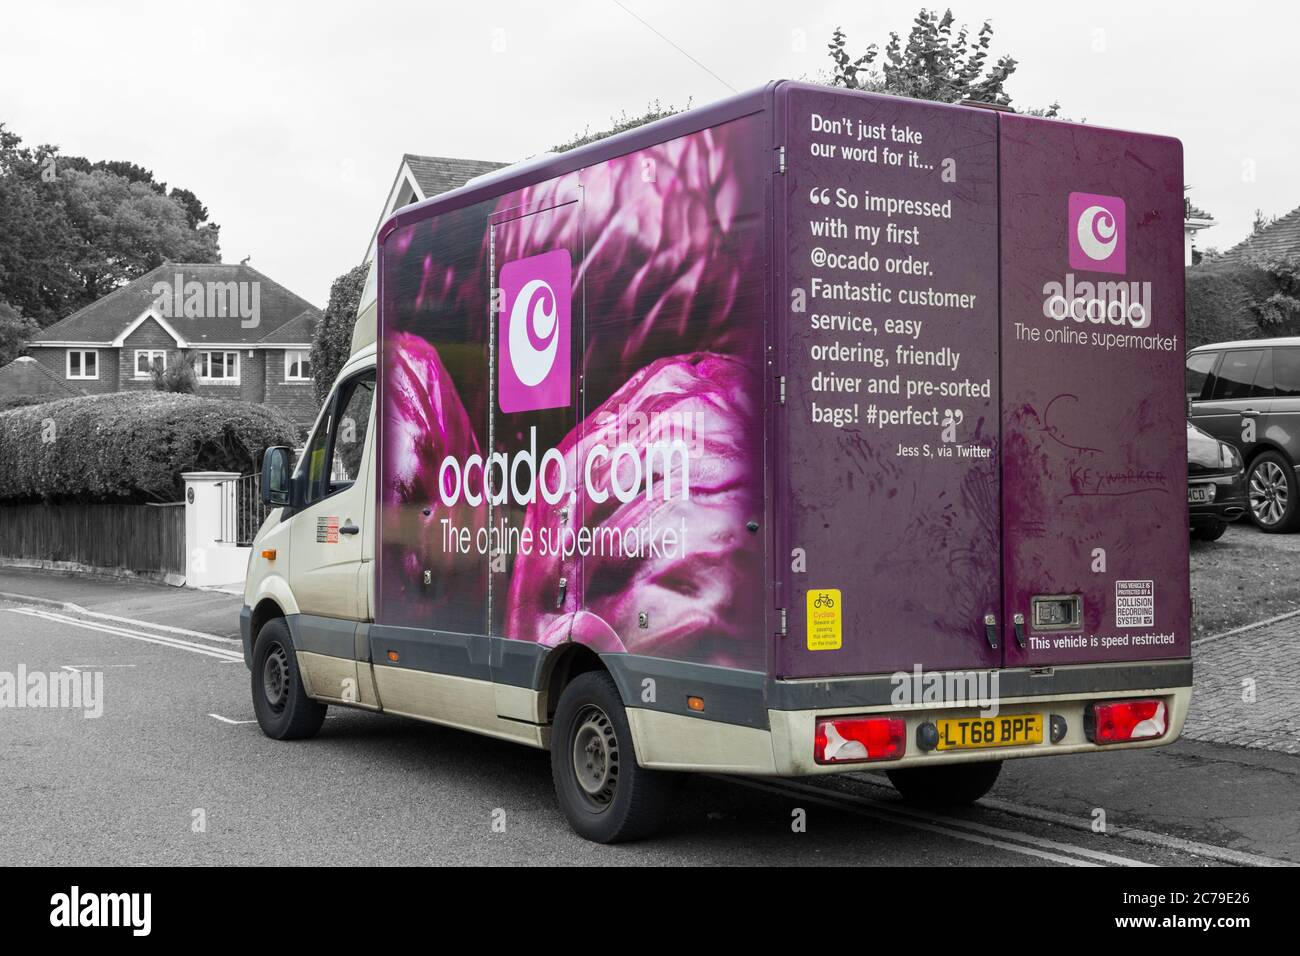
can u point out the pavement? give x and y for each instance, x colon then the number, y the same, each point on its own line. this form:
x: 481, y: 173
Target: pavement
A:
x: 175, y: 770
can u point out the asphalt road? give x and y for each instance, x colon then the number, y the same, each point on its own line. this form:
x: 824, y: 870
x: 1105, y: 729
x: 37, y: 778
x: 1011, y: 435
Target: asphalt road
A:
x: 176, y: 772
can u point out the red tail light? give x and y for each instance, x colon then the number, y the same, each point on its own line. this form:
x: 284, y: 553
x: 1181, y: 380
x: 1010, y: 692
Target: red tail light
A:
x: 1115, y: 721
x: 859, y: 739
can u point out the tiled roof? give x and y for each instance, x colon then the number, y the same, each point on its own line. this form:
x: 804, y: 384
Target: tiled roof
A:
x: 294, y: 332
x: 27, y: 377
x: 440, y: 174
x: 1277, y: 239
x: 106, y: 318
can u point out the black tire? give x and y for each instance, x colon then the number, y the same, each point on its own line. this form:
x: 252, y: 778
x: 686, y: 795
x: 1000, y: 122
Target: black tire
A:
x: 1272, y: 500
x: 619, y: 801
x: 1210, y: 530
x: 280, y: 701
x: 945, y: 785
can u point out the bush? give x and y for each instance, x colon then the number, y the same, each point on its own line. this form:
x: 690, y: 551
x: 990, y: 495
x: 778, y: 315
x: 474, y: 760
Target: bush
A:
x: 130, y: 446
x: 176, y: 376
x: 331, y: 340
x: 1227, y: 301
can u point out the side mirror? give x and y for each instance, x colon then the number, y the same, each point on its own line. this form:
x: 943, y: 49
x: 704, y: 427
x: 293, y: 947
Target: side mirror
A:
x: 277, y: 477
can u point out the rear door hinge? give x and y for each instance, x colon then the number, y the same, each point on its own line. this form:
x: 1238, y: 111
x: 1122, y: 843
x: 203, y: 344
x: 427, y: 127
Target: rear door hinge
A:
x: 781, y: 622
x: 780, y: 160
x: 780, y: 389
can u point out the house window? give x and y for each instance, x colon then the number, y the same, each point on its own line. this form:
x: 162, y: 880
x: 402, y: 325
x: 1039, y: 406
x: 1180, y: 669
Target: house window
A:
x: 297, y: 365
x: 221, y: 368
x: 146, y: 360
x: 83, y: 363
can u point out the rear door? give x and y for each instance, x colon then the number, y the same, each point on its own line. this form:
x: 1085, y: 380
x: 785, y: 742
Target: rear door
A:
x: 1238, y: 398
x: 534, y: 573
x: 887, y: 307
x: 1094, y: 466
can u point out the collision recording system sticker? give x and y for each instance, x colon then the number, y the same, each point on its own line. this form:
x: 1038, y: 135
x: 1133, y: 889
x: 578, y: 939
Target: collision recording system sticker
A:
x: 1135, y: 604
x: 327, y: 530
x: 825, y: 617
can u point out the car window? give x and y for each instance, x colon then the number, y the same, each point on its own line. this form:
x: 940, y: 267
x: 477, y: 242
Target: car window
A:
x: 1236, y: 375
x: 333, y: 456
x: 1286, y: 372
x: 1199, y: 379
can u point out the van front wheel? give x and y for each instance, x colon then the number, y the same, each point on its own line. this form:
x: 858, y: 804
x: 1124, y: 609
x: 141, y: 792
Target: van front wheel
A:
x: 945, y: 785
x: 605, y: 795
x: 280, y: 701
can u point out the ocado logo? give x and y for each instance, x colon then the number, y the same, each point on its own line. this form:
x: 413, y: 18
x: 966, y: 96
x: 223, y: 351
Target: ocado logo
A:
x: 535, y: 332
x: 1097, y: 226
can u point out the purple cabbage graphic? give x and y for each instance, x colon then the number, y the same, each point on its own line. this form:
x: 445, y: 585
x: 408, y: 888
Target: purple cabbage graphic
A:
x: 704, y: 604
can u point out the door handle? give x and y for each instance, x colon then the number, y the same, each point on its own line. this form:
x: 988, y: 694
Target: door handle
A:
x: 348, y: 528
x: 991, y: 631
x: 1249, y: 411
x: 1018, y: 621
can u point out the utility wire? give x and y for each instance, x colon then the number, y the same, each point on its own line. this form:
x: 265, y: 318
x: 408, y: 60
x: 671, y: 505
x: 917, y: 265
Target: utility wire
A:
x: 675, y: 46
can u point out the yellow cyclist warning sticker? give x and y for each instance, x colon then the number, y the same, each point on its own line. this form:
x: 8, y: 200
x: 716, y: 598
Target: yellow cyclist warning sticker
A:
x: 824, y: 620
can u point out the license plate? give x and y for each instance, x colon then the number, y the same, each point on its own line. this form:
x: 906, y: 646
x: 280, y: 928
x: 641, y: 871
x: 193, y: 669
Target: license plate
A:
x: 975, y: 733
x: 1200, y: 494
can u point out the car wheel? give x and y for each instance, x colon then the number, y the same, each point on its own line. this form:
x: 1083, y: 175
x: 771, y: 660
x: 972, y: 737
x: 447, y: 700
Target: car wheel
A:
x: 605, y: 795
x: 280, y: 701
x: 1271, y: 488
x: 1210, y: 530
x: 945, y: 785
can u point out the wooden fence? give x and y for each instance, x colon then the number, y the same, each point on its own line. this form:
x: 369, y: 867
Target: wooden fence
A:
x: 139, y: 538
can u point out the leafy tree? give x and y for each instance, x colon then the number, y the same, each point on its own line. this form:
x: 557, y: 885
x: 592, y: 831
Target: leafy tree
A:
x: 932, y: 64
x: 16, y: 330
x: 331, y: 340
x: 72, y: 230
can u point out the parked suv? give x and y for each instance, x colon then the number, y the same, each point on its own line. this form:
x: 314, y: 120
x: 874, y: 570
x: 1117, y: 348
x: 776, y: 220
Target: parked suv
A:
x: 1248, y: 394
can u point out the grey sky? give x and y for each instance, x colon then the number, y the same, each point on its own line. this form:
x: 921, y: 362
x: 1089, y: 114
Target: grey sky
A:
x: 288, y: 120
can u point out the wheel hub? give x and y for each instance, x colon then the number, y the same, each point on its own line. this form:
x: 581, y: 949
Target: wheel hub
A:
x: 275, y: 677
x: 595, y: 756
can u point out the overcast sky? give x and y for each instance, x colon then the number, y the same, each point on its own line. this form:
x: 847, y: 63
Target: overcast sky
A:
x: 289, y: 120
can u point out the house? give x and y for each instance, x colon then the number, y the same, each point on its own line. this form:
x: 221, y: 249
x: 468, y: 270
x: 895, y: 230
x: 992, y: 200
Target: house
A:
x: 27, y: 379
x: 1280, y: 239
x: 248, y: 336
x: 420, y: 177
x: 1194, y: 220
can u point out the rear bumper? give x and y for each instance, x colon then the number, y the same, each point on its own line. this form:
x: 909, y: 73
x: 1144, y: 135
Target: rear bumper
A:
x: 1229, y: 501
x: 671, y: 741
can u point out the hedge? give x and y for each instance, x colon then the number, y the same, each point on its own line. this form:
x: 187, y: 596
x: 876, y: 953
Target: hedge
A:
x: 1223, y: 303
x: 130, y: 446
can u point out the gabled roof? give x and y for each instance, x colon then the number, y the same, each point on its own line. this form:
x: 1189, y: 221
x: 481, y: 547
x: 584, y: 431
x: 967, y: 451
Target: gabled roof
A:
x: 419, y: 177
x: 108, y: 319
x: 296, y: 331
x: 440, y: 174
x: 1278, y: 239
x: 29, y: 378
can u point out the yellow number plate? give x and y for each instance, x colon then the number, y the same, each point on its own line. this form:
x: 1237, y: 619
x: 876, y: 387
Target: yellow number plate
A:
x: 976, y: 733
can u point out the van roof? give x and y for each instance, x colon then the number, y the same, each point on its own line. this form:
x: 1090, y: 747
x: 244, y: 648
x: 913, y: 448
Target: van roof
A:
x: 1247, y: 344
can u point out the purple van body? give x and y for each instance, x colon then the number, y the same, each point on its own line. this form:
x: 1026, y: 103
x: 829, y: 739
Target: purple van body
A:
x: 1054, y: 471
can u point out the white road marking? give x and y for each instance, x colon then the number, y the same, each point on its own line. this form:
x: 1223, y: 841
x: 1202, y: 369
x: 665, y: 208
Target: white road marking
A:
x: 227, y: 720
x: 992, y: 831
x: 77, y: 668
x: 1135, y: 834
x: 826, y: 797
x: 205, y: 650
x: 167, y: 628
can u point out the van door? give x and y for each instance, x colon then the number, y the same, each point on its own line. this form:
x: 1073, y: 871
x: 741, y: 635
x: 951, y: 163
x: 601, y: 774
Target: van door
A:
x: 327, y: 530
x: 888, y: 436
x: 536, y: 253
x: 1094, y: 468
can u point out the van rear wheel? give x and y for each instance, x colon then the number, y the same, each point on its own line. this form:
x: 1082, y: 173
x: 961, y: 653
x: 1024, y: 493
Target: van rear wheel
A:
x: 605, y: 795
x: 945, y: 785
x: 280, y: 701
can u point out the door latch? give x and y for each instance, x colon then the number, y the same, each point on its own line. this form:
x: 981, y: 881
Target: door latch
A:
x: 559, y: 597
x: 991, y: 630
x: 1018, y: 621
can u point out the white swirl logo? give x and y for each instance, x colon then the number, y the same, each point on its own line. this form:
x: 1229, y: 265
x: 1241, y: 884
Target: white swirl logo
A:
x: 1097, y: 233
x: 534, y: 332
